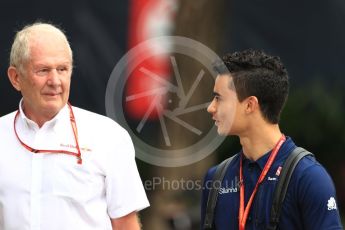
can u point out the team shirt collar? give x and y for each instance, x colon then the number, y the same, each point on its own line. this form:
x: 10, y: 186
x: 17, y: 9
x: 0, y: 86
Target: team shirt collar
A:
x: 63, y: 114
x: 286, y: 148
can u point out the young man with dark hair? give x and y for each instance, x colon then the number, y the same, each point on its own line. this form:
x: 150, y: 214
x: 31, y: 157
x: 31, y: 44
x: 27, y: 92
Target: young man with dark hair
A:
x: 249, y: 95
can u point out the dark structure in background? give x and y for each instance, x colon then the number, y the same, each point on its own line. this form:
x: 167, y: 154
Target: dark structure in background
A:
x: 307, y: 35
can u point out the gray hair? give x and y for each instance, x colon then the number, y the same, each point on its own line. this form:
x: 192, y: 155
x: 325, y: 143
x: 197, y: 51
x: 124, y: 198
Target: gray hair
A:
x: 20, y: 51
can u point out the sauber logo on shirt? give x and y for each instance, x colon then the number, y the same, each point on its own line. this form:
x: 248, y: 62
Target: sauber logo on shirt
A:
x: 272, y: 178
x: 332, y: 204
x: 279, y: 170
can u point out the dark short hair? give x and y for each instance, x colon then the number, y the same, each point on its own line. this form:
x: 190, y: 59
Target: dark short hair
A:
x: 255, y: 73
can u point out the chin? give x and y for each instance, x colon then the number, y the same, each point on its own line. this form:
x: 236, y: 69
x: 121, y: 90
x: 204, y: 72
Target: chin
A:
x: 224, y: 131
x: 53, y: 106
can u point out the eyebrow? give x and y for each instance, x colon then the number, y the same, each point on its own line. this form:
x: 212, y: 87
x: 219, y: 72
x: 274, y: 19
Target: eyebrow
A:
x: 48, y: 64
x: 215, y: 94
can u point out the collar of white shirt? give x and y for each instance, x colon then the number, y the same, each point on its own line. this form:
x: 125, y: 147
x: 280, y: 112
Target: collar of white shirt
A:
x: 61, y: 116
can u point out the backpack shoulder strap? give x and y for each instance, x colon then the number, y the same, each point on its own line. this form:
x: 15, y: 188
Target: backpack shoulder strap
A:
x: 214, y: 190
x: 280, y: 191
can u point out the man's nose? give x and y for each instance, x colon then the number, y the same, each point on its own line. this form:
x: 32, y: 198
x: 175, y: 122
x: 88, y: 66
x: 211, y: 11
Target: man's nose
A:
x: 54, y: 78
x: 211, y: 107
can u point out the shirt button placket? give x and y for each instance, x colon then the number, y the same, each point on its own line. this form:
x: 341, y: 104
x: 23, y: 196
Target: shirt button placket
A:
x: 36, y: 185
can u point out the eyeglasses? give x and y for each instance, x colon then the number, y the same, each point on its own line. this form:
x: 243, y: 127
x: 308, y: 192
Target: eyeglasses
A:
x: 75, y: 133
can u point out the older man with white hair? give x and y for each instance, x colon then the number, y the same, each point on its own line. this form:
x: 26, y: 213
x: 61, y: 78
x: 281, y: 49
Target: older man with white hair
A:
x: 61, y: 167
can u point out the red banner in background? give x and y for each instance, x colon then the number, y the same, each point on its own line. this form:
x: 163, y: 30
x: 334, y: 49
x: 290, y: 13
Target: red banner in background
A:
x: 148, y: 19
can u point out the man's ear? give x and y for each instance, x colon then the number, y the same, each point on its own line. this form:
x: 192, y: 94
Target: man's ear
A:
x: 252, y: 104
x: 13, y: 75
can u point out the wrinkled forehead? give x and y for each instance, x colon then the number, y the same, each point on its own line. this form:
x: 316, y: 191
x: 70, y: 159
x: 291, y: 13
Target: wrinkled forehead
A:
x: 49, y: 40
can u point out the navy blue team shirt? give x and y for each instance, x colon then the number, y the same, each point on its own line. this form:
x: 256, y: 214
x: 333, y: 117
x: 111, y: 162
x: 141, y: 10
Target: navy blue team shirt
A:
x: 310, y: 202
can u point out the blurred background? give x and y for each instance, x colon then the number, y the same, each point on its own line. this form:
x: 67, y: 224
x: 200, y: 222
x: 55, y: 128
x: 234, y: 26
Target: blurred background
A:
x: 309, y: 37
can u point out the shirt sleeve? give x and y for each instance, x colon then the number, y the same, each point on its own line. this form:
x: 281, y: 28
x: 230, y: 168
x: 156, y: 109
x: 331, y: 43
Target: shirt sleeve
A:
x: 124, y: 189
x: 317, y: 199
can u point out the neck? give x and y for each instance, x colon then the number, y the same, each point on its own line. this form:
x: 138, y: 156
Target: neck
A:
x: 255, y: 143
x: 38, y: 118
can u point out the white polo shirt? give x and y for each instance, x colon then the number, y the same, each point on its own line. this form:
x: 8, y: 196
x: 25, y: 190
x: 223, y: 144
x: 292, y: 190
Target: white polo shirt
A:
x: 40, y: 191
